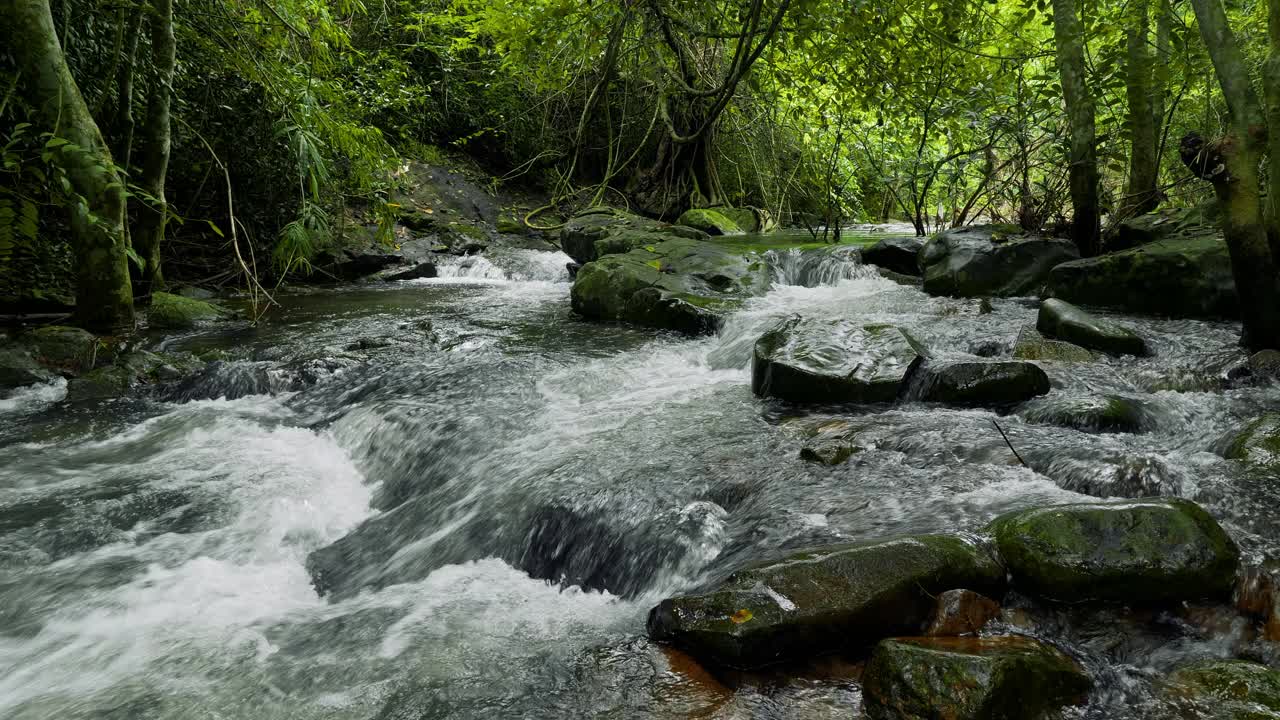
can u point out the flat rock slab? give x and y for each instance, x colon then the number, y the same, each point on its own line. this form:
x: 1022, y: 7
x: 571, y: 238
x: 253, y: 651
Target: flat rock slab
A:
x: 1063, y: 321
x: 1137, y: 552
x: 824, y: 600
x: 998, y: 678
x: 990, y: 260
x: 979, y: 384
x: 817, y: 361
x: 1031, y: 345
x: 1092, y: 413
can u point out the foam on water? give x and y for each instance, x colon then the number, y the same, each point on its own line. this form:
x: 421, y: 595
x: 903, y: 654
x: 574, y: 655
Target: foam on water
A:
x: 33, y: 398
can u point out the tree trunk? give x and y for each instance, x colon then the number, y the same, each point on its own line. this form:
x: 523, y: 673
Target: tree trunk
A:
x: 104, y: 299
x: 1069, y: 37
x: 1271, y: 90
x: 1231, y: 164
x: 1144, y: 171
x: 121, y: 128
x: 154, y: 163
x: 1161, y: 73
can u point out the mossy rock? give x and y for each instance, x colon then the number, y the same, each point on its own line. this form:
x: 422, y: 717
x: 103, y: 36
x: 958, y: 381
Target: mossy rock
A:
x: 824, y: 600
x: 828, y: 451
x: 18, y: 367
x: 748, y: 219
x: 174, y: 312
x: 1031, y: 345
x: 678, y: 284
x: 1095, y: 414
x: 1066, y: 322
x: 818, y: 361
x: 596, y: 232
x: 134, y: 369
x: 1224, y: 690
x: 979, y: 384
x: 1258, y: 445
x: 712, y: 222
x: 66, y: 350
x: 1180, y: 277
x: 997, y: 678
x: 899, y: 255
x: 990, y: 261
x: 1135, y: 552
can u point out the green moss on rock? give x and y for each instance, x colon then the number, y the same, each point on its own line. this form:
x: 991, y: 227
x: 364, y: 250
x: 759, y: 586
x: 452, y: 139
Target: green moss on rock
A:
x: 1258, y: 445
x: 1031, y: 345
x: 1225, y: 690
x: 978, y: 383
x: 709, y: 221
x: 990, y: 260
x: 174, y: 312
x: 824, y: 600
x: 1136, y: 552
x: 1100, y: 413
x: 1064, y: 321
x: 997, y: 678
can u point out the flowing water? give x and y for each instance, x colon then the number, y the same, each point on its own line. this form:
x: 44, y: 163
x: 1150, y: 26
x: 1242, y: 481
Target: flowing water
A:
x: 498, y: 492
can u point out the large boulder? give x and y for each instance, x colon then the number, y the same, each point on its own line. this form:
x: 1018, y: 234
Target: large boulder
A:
x: 597, y: 232
x: 678, y: 284
x: 1183, y: 277
x: 131, y: 370
x: 824, y: 600
x: 1136, y: 551
x: 817, y: 361
x: 990, y: 260
x: 899, y: 254
x: 712, y: 222
x: 1063, y: 321
x: 1164, y: 224
x: 1224, y: 690
x: 996, y: 678
x: 750, y: 219
x: 979, y: 384
x: 18, y: 367
x: 1031, y: 345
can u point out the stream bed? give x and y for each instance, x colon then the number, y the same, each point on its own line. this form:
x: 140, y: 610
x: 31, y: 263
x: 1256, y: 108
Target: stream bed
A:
x: 492, y: 494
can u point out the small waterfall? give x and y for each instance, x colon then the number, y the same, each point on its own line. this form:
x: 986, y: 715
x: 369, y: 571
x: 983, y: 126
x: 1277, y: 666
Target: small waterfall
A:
x: 817, y: 267
x: 507, y: 265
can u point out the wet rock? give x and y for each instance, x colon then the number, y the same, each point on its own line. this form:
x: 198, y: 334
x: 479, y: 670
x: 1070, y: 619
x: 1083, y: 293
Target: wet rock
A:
x: 1122, y: 477
x: 961, y: 612
x: 1095, y: 414
x: 1181, y: 277
x: 823, y: 600
x: 978, y: 384
x: 369, y: 343
x: 18, y: 367
x: 819, y: 361
x: 683, y: 285
x: 828, y: 450
x: 990, y: 260
x: 998, y: 678
x: 1136, y: 552
x: 1064, y: 321
x: 131, y: 370
x: 223, y: 379
x: 1258, y: 594
x: 64, y: 350
x: 419, y: 271
x: 1031, y: 345
x: 1165, y: 224
x: 174, y: 312
x: 1225, y: 690
x: 594, y: 233
x: 352, y: 263
x: 1265, y: 365
x: 989, y: 348
x: 710, y: 221
x: 1257, y: 445
x: 750, y: 219
x: 896, y: 254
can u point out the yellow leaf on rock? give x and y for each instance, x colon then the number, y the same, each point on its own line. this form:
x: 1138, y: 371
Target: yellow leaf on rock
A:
x: 741, y: 616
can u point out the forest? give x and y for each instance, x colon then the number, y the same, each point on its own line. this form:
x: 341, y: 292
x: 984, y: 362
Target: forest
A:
x: 640, y: 359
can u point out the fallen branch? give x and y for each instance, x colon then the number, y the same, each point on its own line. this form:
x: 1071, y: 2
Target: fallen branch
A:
x: 1011, y: 447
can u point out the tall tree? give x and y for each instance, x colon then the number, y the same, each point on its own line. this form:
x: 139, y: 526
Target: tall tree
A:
x: 1069, y: 40
x: 154, y: 162
x: 1144, y: 169
x: 104, y: 299
x: 1231, y: 163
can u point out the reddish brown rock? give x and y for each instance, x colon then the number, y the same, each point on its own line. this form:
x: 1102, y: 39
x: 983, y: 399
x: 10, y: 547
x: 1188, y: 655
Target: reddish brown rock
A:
x: 961, y: 612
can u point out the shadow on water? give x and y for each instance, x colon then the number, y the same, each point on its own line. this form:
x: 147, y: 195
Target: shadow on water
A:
x: 490, y: 494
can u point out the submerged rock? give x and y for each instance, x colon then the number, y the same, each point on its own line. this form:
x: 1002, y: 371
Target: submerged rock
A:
x: 1064, y: 321
x: 1138, y: 552
x: 961, y: 612
x: 818, y: 361
x: 710, y: 221
x: 1115, y: 477
x: 174, y: 312
x: 896, y: 254
x: 990, y: 260
x: 1257, y: 445
x: 828, y: 450
x: 1031, y: 345
x: 998, y: 678
x: 18, y: 367
x: 419, y: 271
x: 823, y: 600
x: 1258, y: 594
x: 1225, y: 690
x: 1182, y: 277
x: 1096, y: 414
x: 683, y: 285
x: 979, y: 384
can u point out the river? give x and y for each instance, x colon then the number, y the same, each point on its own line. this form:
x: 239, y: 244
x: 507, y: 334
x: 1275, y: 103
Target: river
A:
x: 500, y: 491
